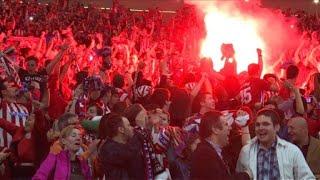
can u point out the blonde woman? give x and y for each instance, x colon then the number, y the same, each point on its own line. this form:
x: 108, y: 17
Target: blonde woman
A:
x: 67, y: 164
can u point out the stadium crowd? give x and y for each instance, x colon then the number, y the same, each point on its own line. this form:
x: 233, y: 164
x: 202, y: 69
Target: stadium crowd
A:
x: 89, y: 93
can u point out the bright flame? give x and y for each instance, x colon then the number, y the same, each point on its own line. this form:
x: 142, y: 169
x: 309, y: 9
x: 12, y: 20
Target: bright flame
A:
x: 241, y: 31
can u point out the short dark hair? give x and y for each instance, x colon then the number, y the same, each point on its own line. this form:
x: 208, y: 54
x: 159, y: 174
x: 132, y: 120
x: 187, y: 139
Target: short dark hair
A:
x: 196, y: 104
x: 272, y: 114
x: 208, y: 121
x: 119, y: 107
x: 98, y: 107
x: 118, y: 81
x: 269, y: 75
x: 63, y: 120
x: 109, y: 125
x: 180, y: 106
x: 292, y: 72
x: 131, y: 113
x: 81, y: 76
x: 159, y: 97
x: 102, y: 134
x: 281, y: 116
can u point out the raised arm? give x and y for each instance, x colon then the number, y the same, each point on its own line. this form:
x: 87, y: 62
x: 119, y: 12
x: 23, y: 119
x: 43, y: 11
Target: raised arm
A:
x: 65, y: 68
x: 260, y: 61
x: 298, y: 99
x: 40, y: 45
x: 77, y: 93
x: 198, y: 86
x: 56, y: 59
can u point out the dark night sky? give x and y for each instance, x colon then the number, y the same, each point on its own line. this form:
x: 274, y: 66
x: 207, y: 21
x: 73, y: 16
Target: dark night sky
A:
x: 307, y: 5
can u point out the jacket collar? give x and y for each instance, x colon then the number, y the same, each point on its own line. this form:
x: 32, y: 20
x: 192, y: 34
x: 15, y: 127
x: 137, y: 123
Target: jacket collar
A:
x: 280, y: 142
x: 216, y: 147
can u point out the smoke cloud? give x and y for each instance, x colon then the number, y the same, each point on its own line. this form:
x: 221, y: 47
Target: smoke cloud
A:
x: 248, y: 26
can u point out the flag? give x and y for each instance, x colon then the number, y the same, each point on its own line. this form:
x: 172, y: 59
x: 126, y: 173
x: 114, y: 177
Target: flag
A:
x: 9, y: 68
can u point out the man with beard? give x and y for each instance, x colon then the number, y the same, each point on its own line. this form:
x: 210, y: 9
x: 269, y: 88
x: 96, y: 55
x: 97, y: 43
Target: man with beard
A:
x: 114, y: 155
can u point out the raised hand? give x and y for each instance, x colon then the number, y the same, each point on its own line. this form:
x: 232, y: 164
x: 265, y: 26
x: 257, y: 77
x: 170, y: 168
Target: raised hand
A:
x: 259, y: 51
x: 242, y: 118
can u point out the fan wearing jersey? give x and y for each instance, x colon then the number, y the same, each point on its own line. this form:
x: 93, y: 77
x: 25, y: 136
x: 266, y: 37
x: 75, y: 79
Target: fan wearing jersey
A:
x: 251, y: 92
x: 10, y: 110
x: 142, y: 89
x: 274, y: 87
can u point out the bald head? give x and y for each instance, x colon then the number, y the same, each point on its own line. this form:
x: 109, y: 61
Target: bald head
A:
x: 298, y: 129
x: 299, y: 122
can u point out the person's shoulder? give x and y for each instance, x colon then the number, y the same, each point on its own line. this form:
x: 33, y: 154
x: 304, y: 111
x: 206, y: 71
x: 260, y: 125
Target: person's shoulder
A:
x: 246, y: 148
x: 114, y: 151
x: 135, y: 142
x: 52, y: 156
x: 204, y: 147
x: 56, y: 148
x: 206, y: 152
x: 315, y: 141
x: 110, y: 146
x: 288, y: 146
x: 109, y: 142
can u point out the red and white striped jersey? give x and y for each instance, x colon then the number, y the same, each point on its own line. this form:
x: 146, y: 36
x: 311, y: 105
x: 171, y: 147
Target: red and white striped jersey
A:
x: 15, y: 113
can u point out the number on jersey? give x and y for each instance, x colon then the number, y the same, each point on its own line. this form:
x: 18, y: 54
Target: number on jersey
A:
x: 245, y: 95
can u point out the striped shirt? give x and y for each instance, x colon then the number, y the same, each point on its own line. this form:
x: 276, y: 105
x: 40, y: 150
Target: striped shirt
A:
x: 14, y: 113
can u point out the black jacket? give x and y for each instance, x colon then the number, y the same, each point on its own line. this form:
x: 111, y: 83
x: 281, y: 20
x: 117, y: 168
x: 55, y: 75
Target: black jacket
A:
x: 206, y: 164
x: 114, y: 158
x: 136, y: 164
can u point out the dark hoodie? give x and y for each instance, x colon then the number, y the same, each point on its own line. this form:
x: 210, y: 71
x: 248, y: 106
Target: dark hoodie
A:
x: 114, y: 158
